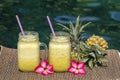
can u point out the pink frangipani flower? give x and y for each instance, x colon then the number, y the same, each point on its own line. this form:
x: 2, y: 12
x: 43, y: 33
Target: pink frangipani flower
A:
x: 77, y: 68
x: 44, y: 68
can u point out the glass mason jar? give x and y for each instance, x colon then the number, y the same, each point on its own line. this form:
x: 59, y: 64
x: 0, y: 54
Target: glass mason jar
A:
x: 59, y: 51
x: 29, y: 51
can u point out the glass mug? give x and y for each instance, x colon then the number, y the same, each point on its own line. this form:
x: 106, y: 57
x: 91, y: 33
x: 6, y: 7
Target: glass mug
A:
x: 59, y: 51
x: 29, y: 51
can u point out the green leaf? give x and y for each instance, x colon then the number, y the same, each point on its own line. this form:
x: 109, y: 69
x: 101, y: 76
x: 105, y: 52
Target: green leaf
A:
x: 64, y: 27
x: 90, y: 63
x: 72, y: 27
x: 82, y: 46
x: 84, y: 26
x: 77, y: 21
x: 96, y: 65
x: 86, y: 46
x: 85, y: 60
x: 78, y: 24
x: 99, y: 52
x: 92, y: 54
x: 101, y: 60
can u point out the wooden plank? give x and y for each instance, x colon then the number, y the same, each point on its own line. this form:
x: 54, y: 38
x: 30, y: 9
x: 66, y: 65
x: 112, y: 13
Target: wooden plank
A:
x: 9, y: 69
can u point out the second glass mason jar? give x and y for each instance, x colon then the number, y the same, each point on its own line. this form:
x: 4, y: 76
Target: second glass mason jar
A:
x: 59, y: 51
x: 29, y: 51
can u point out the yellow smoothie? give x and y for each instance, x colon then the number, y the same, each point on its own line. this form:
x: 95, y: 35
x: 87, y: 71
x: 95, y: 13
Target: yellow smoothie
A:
x: 28, y: 52
x: 59, y: 53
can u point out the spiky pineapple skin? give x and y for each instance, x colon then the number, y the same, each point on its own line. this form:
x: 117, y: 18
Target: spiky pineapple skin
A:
x: 74, y: 56
x: 97, y: 40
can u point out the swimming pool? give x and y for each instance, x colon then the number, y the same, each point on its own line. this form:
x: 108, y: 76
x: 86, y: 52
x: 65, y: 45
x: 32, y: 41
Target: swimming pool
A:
x: 104, y: 15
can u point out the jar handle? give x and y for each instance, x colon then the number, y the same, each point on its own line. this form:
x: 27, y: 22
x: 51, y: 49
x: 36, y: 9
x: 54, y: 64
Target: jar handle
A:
x: 45, y: 47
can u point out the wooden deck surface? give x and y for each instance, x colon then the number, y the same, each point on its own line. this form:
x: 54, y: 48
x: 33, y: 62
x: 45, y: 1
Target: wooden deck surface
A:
x: 9, y: 69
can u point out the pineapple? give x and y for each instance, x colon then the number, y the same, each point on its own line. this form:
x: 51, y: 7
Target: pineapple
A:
x: 75, y: 37
x: 92, y: 55
x: 97, y: 40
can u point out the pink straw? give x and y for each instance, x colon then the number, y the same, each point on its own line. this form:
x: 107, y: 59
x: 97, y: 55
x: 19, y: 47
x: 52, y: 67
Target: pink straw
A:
x: 53, y: 32
x: 19, y: 23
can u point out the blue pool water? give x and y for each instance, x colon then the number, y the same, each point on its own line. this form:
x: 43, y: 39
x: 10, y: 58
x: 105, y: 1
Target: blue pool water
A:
x: 104, y: 15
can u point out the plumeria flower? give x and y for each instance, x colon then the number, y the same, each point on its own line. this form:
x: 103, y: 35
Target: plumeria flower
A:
x: 44, y: 68
x: 77, y: 68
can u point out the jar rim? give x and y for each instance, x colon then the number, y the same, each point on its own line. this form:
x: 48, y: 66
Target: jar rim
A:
x: 29, y: 33
x: 60, y: 33
x: 33, y: 35
x: 60, y: 37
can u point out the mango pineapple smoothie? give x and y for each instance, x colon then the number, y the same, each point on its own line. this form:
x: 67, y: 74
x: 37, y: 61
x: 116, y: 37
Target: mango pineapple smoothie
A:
x: 59, y: 53
x: 28, y: 52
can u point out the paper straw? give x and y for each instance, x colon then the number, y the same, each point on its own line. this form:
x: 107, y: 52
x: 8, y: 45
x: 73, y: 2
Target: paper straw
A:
x: 53, y: 32
x: 19, y: 23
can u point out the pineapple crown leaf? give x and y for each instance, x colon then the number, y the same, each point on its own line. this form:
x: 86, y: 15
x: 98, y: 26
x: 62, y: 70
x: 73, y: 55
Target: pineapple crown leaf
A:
x: 83, y: 26
x: 72, y: 27
x: 76, y: 30
x: 85, y: 46
x: 78, y: 23
x: 65, y: 27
